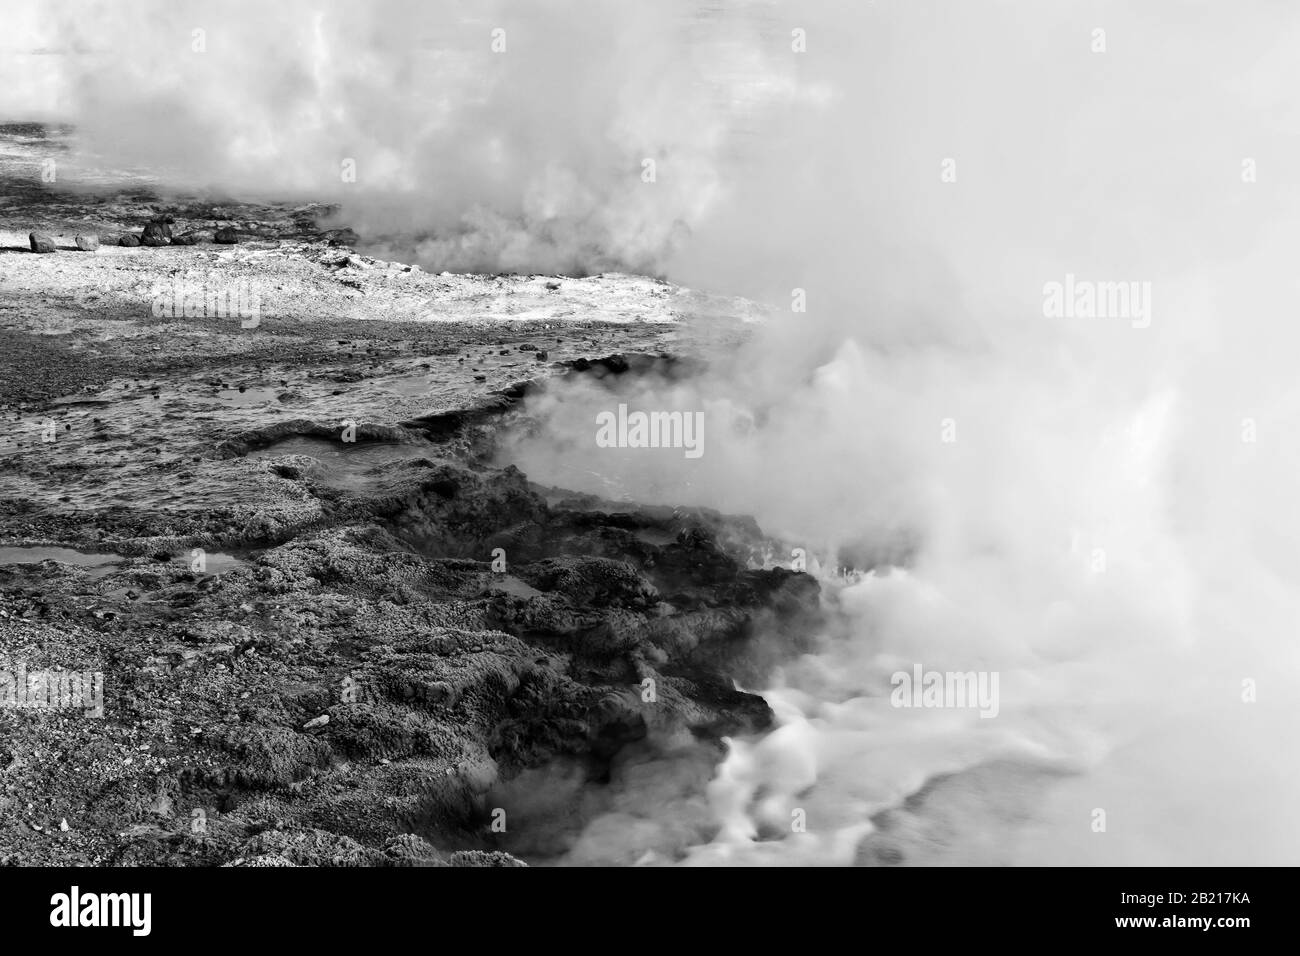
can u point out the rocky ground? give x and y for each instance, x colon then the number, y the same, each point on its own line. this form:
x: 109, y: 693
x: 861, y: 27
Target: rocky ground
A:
x: 309, y: 655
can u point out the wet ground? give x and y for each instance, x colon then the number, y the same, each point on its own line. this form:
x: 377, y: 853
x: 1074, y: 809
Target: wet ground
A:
x: 330, y: 630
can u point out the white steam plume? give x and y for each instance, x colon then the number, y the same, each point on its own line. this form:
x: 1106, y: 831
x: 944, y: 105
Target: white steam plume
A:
x: 1165, y: 157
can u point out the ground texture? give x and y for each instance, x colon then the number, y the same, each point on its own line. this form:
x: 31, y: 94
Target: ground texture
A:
x: 274, y: 537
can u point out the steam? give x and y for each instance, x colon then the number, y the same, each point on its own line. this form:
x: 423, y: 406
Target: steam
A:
x: 1105, y: 525
x: 923, y: 421
x: 485, y: 137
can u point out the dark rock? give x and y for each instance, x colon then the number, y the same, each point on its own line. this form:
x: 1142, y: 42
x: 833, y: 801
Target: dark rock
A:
x: 186, y: 239
x: 462, y: 858
x: 226, y: 237
x: 407, y: 849
x: 341, y: 237
x: 154, y: 241
x: 156, y: 230
x: 129, y: 241
x: 590, y: 580
x: 41, y: 242
x: 88, y: 243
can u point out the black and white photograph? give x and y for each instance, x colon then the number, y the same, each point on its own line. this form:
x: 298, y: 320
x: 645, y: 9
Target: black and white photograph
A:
x: 576, y: 434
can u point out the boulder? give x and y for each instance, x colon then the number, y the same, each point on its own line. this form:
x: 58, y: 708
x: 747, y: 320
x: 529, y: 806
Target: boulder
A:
x: 341, y: 237
x: 41, y: 242
x: 226, y: 236
x: 186, y: 239
x: 156, y: 230
x: 128, y: 240
x: 154, y: 241
x: 88, y: 243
